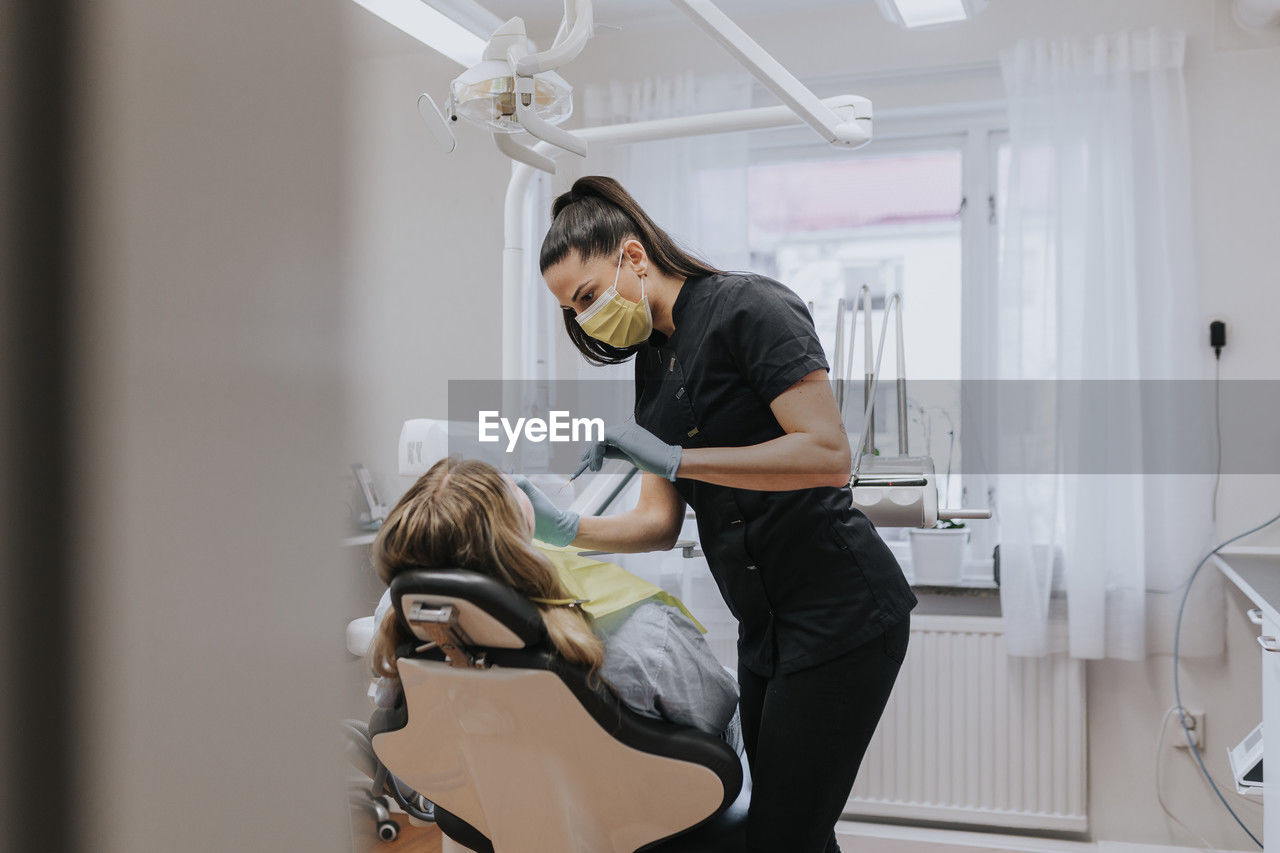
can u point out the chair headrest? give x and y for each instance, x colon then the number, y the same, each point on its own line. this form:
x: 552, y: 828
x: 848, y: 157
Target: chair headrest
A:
x: 491, y: 613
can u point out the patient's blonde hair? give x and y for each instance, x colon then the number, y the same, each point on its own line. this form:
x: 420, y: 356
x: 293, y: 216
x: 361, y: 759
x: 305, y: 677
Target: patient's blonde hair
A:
x: 461, y: 514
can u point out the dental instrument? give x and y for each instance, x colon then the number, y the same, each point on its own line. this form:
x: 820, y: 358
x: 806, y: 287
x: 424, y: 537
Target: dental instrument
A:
x: 586, y: 463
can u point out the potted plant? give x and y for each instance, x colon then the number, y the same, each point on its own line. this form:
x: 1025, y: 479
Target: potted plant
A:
x: 937, y: 553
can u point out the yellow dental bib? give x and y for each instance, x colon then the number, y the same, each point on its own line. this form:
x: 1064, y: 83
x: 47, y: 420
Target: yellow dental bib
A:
x: 607, y: 587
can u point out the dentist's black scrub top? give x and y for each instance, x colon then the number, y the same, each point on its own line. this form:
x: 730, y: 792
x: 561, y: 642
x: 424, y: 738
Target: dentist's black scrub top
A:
x: 805, y: 573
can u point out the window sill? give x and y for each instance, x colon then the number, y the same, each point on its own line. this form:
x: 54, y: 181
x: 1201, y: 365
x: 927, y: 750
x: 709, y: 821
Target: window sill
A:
x: 971, y: 591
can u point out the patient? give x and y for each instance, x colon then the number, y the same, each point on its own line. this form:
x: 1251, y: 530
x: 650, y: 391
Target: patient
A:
x: 466, y: 514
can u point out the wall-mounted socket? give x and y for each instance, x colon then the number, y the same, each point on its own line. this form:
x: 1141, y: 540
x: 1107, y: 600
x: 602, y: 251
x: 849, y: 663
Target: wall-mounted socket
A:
x: 1195, y: 722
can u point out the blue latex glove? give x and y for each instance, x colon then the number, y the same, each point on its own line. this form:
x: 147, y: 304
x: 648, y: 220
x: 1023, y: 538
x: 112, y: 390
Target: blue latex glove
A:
x: 552, y: 525
x: 636, y: 444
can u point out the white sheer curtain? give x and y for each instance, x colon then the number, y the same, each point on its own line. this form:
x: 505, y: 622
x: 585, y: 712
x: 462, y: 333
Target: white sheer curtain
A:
x: 1096, y: 282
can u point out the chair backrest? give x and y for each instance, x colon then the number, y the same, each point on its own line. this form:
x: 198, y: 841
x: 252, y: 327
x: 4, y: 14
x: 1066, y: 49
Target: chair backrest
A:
x: 529, y: 753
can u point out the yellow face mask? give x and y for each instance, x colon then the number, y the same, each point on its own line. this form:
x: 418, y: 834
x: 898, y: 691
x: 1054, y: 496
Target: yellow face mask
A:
x: 617, y: 321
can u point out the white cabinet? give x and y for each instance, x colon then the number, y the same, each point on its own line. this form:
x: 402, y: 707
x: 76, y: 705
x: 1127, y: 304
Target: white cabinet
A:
x: 1270, y: 642
x: 1256, y: 571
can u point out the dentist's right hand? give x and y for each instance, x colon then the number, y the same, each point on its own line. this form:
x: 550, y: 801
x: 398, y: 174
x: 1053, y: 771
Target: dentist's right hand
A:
x: 552, y: 525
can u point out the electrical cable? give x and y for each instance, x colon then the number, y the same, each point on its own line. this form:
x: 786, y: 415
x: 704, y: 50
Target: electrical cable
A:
x: 951, y: 446
x: 1164, y: 721
x: 1217, y: 433
x: 406, y: 803
x: 1177, y: 687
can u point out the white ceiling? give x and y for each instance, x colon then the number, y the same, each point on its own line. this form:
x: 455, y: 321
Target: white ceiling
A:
x: 542, y: 17
x: 369, y: 35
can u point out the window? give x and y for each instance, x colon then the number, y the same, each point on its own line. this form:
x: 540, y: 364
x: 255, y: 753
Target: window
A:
x: 891, y: 222
x: 914, y: 214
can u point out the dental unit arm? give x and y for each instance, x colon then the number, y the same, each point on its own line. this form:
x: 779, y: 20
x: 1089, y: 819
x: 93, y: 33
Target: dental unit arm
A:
x: 892, y: 491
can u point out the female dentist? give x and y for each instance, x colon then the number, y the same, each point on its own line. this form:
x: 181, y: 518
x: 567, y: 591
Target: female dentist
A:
x: 734, y: 416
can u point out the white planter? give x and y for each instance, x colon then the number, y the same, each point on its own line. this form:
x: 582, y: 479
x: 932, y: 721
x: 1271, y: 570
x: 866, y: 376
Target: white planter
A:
x: 937, y: 555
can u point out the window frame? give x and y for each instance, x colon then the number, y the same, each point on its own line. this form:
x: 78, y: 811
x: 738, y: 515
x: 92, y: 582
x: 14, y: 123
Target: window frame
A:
x: 975, y: 129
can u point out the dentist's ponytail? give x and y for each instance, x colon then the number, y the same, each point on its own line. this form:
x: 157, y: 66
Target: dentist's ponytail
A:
x: 593, y: 219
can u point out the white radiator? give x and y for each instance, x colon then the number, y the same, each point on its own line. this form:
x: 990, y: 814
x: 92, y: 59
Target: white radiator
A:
x: 973, y: 736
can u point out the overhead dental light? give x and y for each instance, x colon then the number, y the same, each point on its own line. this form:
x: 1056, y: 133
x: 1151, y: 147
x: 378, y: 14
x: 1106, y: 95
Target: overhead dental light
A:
x: 514, y: 88
x: 926, y: 13
x: 486, y: 93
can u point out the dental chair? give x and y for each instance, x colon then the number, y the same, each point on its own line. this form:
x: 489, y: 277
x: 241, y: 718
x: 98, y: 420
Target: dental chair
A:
x: 520, y: 754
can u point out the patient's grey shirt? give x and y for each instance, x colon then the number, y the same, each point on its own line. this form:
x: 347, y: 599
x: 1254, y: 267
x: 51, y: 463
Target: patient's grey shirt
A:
x: 660, y: 665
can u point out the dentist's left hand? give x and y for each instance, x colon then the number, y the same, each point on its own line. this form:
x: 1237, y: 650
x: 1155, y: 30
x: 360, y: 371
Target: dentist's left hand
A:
x: 636, y: 444
x: 552, y: 525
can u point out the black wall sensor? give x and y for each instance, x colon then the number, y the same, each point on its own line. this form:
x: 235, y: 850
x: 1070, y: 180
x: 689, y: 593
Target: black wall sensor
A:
x: 1217, y: 337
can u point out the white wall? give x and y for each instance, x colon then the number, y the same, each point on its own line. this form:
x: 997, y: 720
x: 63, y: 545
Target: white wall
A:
x: 424, y: 265
x: 208, y: 633
x: 429, y: 230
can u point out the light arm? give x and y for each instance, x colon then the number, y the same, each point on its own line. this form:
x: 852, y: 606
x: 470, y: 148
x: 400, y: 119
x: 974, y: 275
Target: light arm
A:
x: 539, y: 127
x: 566, y: 48
x: 773, y: 75
x: 523, y: 153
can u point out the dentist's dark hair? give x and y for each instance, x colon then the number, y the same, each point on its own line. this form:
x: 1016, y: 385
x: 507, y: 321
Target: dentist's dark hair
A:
x: 593, y: 219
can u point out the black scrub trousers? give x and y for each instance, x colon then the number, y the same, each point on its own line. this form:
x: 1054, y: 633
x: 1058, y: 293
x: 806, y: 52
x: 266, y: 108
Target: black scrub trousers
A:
x: 821, y: 603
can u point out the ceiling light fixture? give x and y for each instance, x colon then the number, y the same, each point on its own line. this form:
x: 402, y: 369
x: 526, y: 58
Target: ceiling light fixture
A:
x: 434, y: 27
x: 927, y: 13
